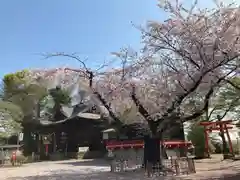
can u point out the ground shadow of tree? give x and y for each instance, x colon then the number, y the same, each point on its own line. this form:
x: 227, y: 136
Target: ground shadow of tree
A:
x: 92, y: 176
x: 98, y: 169
x: 61, y: 175
x: 213, y: 175
x: 92, y: 162
x: 223, y: 177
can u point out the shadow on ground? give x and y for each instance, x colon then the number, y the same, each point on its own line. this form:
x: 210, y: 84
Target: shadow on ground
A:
x: 92, y: 176
x: 93, y: 162
x: 225, y: 177
x: 233, y: 168
x: 99, y: 170
x: 114, y: 176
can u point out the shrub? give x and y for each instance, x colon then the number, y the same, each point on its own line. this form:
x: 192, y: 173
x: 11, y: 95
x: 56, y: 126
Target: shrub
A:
x: 196, y: 135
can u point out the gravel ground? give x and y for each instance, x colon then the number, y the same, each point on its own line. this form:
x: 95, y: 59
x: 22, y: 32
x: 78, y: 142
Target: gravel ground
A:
x: 98, y: 170
x: 66, y: 170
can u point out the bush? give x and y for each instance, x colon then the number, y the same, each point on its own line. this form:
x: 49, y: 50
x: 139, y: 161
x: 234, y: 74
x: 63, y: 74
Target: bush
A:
x: 57, y: 156
x: 196, y: 135
x: 236, y: 148
x: 218, y: 147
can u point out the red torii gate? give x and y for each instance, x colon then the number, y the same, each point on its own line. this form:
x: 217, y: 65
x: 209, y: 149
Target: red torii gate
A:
x: 222, y: 126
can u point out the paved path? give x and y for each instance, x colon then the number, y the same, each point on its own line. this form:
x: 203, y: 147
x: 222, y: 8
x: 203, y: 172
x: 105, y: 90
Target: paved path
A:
x: 58, y: 170
x: 66, y: 170
x: 99, y: 170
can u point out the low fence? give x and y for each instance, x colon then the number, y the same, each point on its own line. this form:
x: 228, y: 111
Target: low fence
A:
x: 171, y: 166
x: 128, y: 158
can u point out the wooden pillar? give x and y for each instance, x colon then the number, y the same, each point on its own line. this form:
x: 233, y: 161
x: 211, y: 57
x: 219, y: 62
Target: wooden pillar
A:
x: 177, y: 168
x: 206, y: 142
x: 191, y: 165
x: 54, y: 143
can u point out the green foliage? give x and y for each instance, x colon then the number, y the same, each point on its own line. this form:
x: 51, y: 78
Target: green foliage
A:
x: 15, y: 78
x: 196, y: 135
x: 219, y: 146
x: 60, y: 96
x: 236, y: 81
x: 13, y: 110
x: 13, y: 81
x: 27, y: 98
x: 46, y: 107
x: 20, y: 89
x: 33, y: 97
x: 236, y: 147
x: 51, y: 104
x: 9, y: 127
x: 10, y: 119
x: 226, y: 101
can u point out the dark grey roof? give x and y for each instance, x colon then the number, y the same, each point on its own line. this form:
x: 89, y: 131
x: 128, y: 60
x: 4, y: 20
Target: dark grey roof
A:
x: 89, y: 116
x: 82, y: 102
x: 80, y: 110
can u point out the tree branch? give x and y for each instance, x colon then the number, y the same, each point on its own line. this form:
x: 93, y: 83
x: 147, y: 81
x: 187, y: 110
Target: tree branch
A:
x: 102, y: 100
x: 140, y: 107
x: 105, y: 104
x: 212, y: 111
x: 230, y: 107
x: 206, y: 101
x: 153, y: 125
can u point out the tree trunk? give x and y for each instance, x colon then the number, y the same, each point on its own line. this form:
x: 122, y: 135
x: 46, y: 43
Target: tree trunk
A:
x: 224, y: 145
x: 177, y: 134
x: 27, y: 140
x: 152, y: 150
x: 151, y: 142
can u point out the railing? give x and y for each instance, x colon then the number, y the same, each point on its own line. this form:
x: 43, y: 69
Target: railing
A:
x: 115, y: 144
x: 129, y: 155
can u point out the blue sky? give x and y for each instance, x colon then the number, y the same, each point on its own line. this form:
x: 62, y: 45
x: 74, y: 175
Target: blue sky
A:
x: 91, y: 28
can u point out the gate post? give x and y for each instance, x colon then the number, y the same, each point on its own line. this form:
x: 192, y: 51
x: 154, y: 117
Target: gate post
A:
x: 207, y: 154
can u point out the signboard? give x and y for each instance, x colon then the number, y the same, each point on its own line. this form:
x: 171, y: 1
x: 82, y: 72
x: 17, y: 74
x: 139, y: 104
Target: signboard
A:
x: 172, y: 153
x: 20, y: 137
x: 63, y: 137
x: 46, y: 141
x: 105, y: 136
x: 83, y: 149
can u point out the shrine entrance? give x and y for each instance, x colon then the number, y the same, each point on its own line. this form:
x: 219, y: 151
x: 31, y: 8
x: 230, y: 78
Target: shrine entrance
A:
x: 222, y: 127
x: 46, y: 144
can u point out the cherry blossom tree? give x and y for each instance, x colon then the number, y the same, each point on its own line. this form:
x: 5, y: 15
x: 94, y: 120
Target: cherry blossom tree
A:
x: 185, y: 59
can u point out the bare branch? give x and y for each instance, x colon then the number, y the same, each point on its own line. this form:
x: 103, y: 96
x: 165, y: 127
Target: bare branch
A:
x: 72, y: 56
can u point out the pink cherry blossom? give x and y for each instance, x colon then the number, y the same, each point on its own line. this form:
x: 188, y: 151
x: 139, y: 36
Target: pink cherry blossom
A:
x: 184, y: 60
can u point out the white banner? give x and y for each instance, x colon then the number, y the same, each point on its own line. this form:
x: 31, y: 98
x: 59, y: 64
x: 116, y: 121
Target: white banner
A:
x: 20, y: 137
